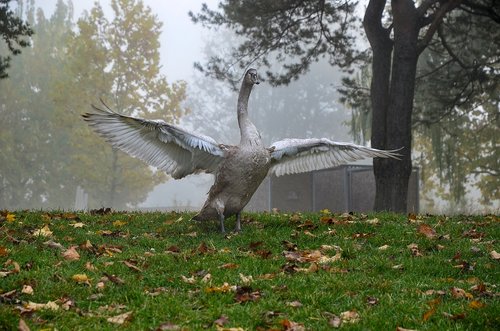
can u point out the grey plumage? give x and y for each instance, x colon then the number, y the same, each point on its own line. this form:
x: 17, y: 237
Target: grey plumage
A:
x: 239, y: 169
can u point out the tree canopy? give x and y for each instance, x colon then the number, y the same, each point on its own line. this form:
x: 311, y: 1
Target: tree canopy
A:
x: 14, y: 33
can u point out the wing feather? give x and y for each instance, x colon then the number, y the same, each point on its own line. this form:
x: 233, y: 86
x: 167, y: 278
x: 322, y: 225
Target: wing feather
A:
x: 302, y: 155
x: 170, y: 148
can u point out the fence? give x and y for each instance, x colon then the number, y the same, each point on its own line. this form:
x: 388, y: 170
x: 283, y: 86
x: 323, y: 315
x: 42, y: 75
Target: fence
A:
x: 339, y: 189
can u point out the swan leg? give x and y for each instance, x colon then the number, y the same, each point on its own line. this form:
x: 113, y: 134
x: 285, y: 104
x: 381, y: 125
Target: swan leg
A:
x: 237, y: 228
x: 221, y: 220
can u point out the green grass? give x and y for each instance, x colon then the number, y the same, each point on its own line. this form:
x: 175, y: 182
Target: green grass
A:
x: 387, y: 288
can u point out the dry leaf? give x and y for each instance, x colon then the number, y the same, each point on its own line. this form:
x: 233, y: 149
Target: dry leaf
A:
x: 454, y: 317
x: 221, y: 321
x: 246, y: 279
x: 168, y: 326
x: 131, y: 266
x: 221, y: 289
x: 494, y: 255
x: 414, y: 249
x: 335, y: 321
x: 229, y: 266
x: 81, y: 279
x: 23, y: 326
x: 458, y: 293
x: 77, y: 225
x: 292, y: 326
x: 27, y: 289
x: 384, y: 247
x: 71, y: 254
x: 294, y: 304
x: 190, y: 280
x: 350, y: 316
x: 427, y: 231
x: 476, y: 304
x: 119, y: 223
x: 403, y: 329
x: 120, y: 319
x: 373, y: 221
x: 53, y: 244
x: 51, y: 305
x: 43, y: 232
x: 207, y: 278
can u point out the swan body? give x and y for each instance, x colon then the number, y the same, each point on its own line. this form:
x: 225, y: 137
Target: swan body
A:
x: 239, y: 169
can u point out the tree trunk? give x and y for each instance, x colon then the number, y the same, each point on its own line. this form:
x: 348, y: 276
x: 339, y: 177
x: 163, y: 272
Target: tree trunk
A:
x: 392, y: 92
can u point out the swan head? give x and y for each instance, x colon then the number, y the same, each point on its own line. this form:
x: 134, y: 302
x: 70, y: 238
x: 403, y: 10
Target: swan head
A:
x: 251, y: 77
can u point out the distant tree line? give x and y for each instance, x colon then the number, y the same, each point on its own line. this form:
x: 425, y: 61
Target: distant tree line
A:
x: 46, y: 148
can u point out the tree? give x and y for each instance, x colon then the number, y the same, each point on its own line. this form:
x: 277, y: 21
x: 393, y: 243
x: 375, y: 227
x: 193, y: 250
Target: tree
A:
x: 32, y: 161
x: 13, y: 31
x: 117, y: 61
x: 299, y: 32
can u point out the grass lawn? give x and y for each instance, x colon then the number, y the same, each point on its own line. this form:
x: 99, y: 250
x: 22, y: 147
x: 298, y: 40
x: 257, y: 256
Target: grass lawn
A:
x: 154, y: 271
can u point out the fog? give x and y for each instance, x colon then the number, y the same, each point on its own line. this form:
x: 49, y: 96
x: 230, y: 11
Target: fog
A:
x: 308, y: 107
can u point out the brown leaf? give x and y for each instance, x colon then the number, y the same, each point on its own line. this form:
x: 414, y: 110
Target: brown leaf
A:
x: 335, y: 321
x: 476, y: 304
x: 294, y: 304
x: 372, y: 301
x: 458, y: 293
x: 289, y: 246
x: 245, y: 294
x: 53, y: 244
x: 71, y: 254
x: 427, y: 231
x: 292, y: 326
x: 131, y: 266
x: 4, y: 251
x: 27, y: 289
x: 22, y: 326
x: 222, y: 320
x: 43, y: 232
x: 33, y: 306
x: 454, y: 317
x: 494, y: 255
x: 173, y: 249
x: 115, y: 279
x: 168, y: 327
x: 403, y: 329
x: 350, y: 316
x: 120, y: 319
x: 414, y: 250
x: 229, y: 266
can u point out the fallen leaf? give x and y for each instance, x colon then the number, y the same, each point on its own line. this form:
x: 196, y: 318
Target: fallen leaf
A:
x: 27, y: 289
x: 115, y: 279
x: 335, y: 321
x: 33, y: 306
x: 454, y: 317
x: 246, y: 279
x: 10, y: 217
x: 229, y: 266
x: 384, y: 247
x: 81, y: 279
x: 403, y: 329
x: 476, y: 304
x: 71, y: 254
x: 292, y: 326
x: 190, y: 280
x: 4, y: 251
x: 221, y: 289
x: 294, y: 304
x: 207, y: 278
x: 414, y: 250
x: 222, y: 320
x: 373, y: 221
x: 43, y: 232
x: 494, y: 255
x: 119, y: 223
x: 131, y: 266
x: 77, y: 225
x: 245, y: 294
x: 53, y: 244
x: 168, y: 326
x: 458, y: 293
x: 22, y: 326
x: 120, y: 319
x: 427, y: 231
x: 372, y: 301
x: 350, y: 316
x: 173, y: 249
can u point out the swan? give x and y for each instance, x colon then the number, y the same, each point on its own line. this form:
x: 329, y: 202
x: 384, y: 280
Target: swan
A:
x: 239, y: 169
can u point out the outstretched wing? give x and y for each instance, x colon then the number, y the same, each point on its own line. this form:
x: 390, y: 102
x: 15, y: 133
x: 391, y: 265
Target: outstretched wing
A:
x: 291, y: 156
x: 167, y: 147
